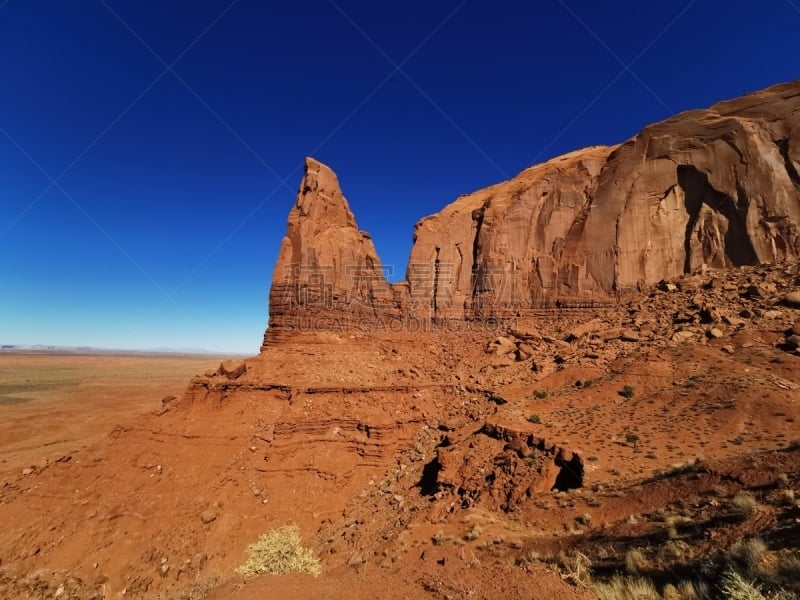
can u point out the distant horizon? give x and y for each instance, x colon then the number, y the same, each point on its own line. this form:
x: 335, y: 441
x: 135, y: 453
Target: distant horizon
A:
x: 59, y: 348
x: 150, y: 154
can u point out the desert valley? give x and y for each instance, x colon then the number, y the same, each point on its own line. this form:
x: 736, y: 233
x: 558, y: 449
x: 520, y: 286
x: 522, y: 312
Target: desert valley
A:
x: 588, y: 385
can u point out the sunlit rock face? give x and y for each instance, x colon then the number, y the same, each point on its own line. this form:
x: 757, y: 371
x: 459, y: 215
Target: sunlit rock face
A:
x: 712, y: 188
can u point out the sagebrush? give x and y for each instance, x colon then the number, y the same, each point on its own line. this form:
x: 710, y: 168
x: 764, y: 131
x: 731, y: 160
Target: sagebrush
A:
x: 279, y: 552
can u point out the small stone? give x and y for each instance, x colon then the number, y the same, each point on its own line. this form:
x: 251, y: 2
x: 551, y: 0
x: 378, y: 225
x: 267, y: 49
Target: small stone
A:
x: 734, y: 321
x: 355, y: 560
x: 682, y: 336
x: 728, y: 349
x: 163, y: 570
x: 629, y: 335
x: 667, y: 287
x: 793, y: 341
x: 773, y: 314
x: 715, y: 333
x: 208, y: 516
x: 28, y: 471
x: 792, y: 299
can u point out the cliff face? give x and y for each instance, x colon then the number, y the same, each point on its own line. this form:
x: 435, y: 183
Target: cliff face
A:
x: 716, y: 187
x: 707, y: 188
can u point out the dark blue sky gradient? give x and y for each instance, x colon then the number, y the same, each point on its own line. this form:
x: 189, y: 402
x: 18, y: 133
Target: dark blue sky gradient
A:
x: 174, y: 201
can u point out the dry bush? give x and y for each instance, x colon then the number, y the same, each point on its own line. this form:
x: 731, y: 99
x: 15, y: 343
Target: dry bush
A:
x: 439, y: 538
x: 577, y: 569
x: 279, y: 552
x: 788, y: 568
x: 735, y: 587
x: 744, y: 502
x: 748, y: 553
x: 627, y: 588
x: 635, y: 560
x: 689, y: 590
x: 474, y: 533
x: 196, y: 591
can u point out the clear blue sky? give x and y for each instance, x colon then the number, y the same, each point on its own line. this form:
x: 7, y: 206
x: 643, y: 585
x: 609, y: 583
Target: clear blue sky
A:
x: 172, y: 185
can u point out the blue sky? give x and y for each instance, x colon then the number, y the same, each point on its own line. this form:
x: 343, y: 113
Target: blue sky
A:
x: 150, y: 151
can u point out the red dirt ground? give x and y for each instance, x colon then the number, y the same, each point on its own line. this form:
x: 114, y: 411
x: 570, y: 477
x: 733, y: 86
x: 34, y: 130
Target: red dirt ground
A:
x: 343, y: 434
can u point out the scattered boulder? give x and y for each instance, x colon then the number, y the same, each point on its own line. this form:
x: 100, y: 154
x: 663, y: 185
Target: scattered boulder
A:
x: 232, y: 369
x: 524, y: 352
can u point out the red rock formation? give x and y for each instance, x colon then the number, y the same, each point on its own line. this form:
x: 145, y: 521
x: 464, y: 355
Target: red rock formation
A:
x: 707, y: 188
x: 326, y: 267
x: 716, y: 187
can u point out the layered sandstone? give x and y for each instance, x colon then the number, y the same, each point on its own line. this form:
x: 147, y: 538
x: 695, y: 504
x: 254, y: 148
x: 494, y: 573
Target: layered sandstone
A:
x: 708, y: 188
x: 326, y: 266
x: 716, y: 187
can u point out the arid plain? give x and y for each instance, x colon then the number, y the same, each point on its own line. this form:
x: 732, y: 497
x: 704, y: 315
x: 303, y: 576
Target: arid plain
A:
x: 76, y: 399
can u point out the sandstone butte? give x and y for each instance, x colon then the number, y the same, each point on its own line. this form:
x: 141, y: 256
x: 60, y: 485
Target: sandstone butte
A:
x: 711, y: 188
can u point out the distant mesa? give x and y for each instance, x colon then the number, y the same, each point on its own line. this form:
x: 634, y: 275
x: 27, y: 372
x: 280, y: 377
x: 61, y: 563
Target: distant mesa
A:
x: 711, y: 188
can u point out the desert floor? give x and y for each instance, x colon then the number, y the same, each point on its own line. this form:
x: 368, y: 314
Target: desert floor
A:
x: 55, y: 403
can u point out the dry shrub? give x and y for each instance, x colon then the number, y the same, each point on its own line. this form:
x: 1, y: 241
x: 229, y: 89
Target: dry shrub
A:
x: 627, y: 588
x: 789, y: 568
x: 744, y: 502
x: 635, y: 561
x: 748, y: 554
x: 577, y: 569
x: 474, y: 533
x: 279, y: 552
x: 735, y: 587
